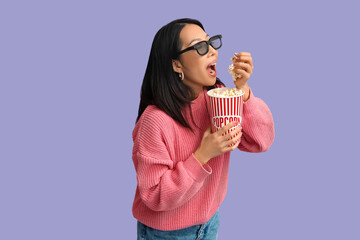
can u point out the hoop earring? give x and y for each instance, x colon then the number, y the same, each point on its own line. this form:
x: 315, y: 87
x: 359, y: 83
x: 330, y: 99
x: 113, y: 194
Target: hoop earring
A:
x: 181, y: 76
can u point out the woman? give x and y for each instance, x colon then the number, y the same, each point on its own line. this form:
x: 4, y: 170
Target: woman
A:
x: 181, y: 167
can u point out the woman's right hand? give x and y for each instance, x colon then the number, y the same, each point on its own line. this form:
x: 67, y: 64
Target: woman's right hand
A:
x: 214, y: 144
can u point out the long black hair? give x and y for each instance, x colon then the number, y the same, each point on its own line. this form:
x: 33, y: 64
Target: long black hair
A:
x: 162, y: 86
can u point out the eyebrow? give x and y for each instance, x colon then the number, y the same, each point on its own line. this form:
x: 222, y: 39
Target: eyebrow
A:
x: 197, y: 39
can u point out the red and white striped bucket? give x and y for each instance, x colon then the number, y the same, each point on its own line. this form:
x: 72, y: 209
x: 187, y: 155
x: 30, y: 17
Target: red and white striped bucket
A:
x: 225, y: 109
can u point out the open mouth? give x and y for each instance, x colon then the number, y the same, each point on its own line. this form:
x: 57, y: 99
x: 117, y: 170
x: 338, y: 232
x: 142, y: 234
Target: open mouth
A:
x: 212, y: 69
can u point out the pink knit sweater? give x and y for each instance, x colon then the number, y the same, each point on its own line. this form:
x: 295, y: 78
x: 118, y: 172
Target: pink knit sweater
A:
x: 174, y: 190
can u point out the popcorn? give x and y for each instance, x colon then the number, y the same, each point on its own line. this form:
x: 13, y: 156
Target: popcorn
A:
x: 234, y: 58
x: 231, y: 68
x: 226, y: 92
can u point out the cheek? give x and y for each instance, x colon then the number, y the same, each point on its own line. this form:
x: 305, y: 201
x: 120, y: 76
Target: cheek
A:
x: 193, y: 63
x: 198, y: 72
x: 198, y: 66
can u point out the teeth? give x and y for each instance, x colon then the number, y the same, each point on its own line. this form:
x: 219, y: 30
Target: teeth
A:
x: 212, y: 71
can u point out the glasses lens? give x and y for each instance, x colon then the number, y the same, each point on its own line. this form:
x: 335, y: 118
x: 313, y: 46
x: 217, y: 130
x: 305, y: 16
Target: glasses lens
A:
x: 216, y: 42
x: 202, y: 48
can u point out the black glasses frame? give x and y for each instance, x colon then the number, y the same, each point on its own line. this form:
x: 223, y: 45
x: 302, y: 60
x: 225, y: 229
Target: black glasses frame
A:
x: 197, y: 45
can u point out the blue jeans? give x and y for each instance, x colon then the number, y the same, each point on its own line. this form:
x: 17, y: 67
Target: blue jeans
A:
x: 206, y: 231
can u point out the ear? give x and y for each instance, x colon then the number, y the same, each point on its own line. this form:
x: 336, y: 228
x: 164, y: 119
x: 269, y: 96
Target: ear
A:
x: 177, y: 67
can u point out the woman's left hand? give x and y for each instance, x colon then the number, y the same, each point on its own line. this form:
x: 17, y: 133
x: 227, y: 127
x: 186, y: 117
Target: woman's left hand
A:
x: 243, y: 65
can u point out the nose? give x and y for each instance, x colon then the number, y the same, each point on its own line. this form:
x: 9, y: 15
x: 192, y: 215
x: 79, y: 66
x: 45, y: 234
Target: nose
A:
x: 212, y: 51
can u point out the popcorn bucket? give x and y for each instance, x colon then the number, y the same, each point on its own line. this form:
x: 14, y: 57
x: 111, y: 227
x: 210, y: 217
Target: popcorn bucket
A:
x: 226, y: 105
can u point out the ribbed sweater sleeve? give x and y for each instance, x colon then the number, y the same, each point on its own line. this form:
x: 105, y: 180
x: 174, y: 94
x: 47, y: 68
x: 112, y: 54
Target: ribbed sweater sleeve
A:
x: 257, y: 126
x: 164, y: 183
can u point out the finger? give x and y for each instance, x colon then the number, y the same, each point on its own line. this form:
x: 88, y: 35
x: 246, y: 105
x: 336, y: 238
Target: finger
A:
x: 234, y: 141
x: 242, y: 54
x: 236, y: 145
x: 242, y: 58
x: 233, y: 134
x: 207, y: 131
x: 245, y: 66
x: 237, y: 56
x: 227, y: 127
x: 235, y: 131
x: 242, y: 72
x: 236, y: 138
x: 247, y: 59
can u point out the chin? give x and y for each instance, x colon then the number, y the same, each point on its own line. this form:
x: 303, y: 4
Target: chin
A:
x: 213, y: 81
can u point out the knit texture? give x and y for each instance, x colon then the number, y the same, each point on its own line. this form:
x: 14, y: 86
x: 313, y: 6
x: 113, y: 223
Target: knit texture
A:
x: 174, y: 190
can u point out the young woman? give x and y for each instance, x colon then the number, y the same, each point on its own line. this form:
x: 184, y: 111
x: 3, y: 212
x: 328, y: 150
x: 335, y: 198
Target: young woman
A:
x: 181, y: 166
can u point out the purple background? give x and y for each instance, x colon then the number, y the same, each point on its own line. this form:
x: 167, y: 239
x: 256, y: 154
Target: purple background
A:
x: 70, y: 79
